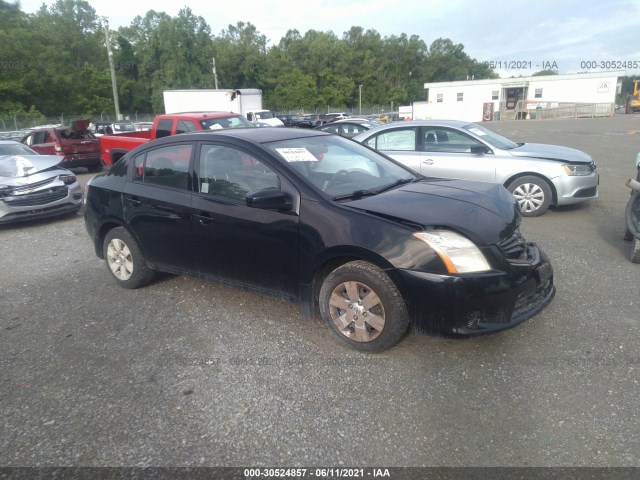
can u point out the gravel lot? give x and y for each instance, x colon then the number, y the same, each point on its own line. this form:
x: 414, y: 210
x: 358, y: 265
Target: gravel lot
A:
x: 184, y: 373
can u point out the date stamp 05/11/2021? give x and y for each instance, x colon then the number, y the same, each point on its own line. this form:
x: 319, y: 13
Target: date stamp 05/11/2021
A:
x: 583, y: 65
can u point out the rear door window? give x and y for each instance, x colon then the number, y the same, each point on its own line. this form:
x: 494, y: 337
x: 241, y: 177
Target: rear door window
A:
x: 397, y: 139
x: 165, y: 166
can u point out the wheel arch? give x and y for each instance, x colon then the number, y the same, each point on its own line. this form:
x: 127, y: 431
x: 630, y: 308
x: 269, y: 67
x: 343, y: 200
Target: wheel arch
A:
x: 105, y: 228
x: 116, y: 154
x: 515, y: 176
x: 334, y: 258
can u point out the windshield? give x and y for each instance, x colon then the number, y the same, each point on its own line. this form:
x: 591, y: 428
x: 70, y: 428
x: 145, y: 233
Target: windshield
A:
x: 228, y: 122
x: 264, y: 115
x: 15, y: 149
x: 490, y: 137
x: 340, y: 167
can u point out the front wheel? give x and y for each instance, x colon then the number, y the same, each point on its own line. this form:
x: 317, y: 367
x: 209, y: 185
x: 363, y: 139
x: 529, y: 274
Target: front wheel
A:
x: 533, y: 195
x: 124, y: 259
x: 362, y: 306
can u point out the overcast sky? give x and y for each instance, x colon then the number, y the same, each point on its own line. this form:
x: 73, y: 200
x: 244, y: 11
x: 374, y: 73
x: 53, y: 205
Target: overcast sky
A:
x: 569, y: 36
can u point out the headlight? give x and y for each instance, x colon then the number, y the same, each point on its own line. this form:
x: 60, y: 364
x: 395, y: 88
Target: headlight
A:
x: 459, y: 254
x: 577, y: 170
x: 67, y: 179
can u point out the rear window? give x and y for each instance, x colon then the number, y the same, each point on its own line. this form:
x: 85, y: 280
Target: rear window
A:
x: 68, y: 134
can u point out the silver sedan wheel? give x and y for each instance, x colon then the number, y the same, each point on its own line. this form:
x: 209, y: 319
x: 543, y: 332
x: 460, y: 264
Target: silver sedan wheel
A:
x: 119, y: 259
x: 530, y: 197
x: 357, y: 311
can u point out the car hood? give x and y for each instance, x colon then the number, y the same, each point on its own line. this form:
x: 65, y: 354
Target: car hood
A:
x: 551, y: 152
x: 14, y: 168
x: 484, y: 212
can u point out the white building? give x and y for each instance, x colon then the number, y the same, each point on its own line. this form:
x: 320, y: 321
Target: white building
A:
x: 578, y: 94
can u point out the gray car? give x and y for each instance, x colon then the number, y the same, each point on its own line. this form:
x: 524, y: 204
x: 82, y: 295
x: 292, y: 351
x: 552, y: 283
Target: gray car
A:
x: 34, y: 186
x: 538, y: 175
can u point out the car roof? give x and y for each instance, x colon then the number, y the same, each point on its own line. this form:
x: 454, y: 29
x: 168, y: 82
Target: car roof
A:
x: 10, y: 142
x: 428, y: 123
x: 254, y: 135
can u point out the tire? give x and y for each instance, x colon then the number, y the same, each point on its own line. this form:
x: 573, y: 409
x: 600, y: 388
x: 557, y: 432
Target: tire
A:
x: 362, y: 306
x: 95, y: 168
x: 635, y: 251
x: 124, y: 260
x: 632, y: 214
x: 533, y: 195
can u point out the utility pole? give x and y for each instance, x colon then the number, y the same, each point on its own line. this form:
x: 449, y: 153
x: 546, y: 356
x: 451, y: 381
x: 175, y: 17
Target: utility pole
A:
x: 215, y: 74
x: 114, y: 84
x: 360, y: 98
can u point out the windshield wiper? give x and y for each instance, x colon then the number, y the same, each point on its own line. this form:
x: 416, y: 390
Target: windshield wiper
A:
x: 365, y: 193
x: 400, y: 181
x: 357, y: 194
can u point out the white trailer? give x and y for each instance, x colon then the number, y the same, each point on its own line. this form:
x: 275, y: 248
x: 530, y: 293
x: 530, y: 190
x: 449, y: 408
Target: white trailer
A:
x: 245, y: 101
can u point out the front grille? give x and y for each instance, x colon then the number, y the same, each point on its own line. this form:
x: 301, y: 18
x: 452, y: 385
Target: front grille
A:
x: 37, y: 198
x: 514, y: 247
x: 11, y: 191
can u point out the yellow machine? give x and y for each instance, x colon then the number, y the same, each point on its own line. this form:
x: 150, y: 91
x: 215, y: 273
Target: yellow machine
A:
x: 633, y: 100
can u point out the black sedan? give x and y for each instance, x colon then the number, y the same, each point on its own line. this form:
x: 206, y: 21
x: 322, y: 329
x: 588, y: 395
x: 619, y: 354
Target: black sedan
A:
x: 353, y: 236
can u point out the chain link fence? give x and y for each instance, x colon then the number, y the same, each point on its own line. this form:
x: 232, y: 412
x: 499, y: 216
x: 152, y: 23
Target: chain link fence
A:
x: 15, y: 127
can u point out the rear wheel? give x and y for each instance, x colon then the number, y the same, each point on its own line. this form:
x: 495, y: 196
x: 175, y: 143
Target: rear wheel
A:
x: 533, y: 195
x: 124, y: 259
x: 362, y: 306
x: 95, y: 168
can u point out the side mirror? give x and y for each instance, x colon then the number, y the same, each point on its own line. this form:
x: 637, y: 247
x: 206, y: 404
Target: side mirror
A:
x: 480, y: 149
x: 269, y: 199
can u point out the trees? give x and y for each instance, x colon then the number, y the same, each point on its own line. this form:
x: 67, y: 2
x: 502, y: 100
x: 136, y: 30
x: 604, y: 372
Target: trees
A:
x: 55, y: 61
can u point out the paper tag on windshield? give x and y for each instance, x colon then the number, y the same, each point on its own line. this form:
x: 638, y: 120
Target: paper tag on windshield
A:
x: 477, y: 131
x: 297, y: 154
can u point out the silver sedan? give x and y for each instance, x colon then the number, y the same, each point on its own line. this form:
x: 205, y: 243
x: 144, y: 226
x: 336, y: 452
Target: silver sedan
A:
x: 538, y: 175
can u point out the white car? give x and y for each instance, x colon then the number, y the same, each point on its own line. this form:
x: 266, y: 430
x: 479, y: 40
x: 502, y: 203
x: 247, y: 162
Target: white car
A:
x: 538, y: 175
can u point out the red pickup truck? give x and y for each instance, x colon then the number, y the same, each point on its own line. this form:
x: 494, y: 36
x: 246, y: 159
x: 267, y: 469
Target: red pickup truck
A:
x: 113, y: 147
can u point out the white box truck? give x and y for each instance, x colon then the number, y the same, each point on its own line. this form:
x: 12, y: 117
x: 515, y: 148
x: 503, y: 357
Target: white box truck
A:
x: 245, y: 101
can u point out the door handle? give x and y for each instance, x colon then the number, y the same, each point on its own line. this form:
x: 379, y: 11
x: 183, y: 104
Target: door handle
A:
x: 428, y: 161
x: 134, y: 201
x: 203, y: 219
